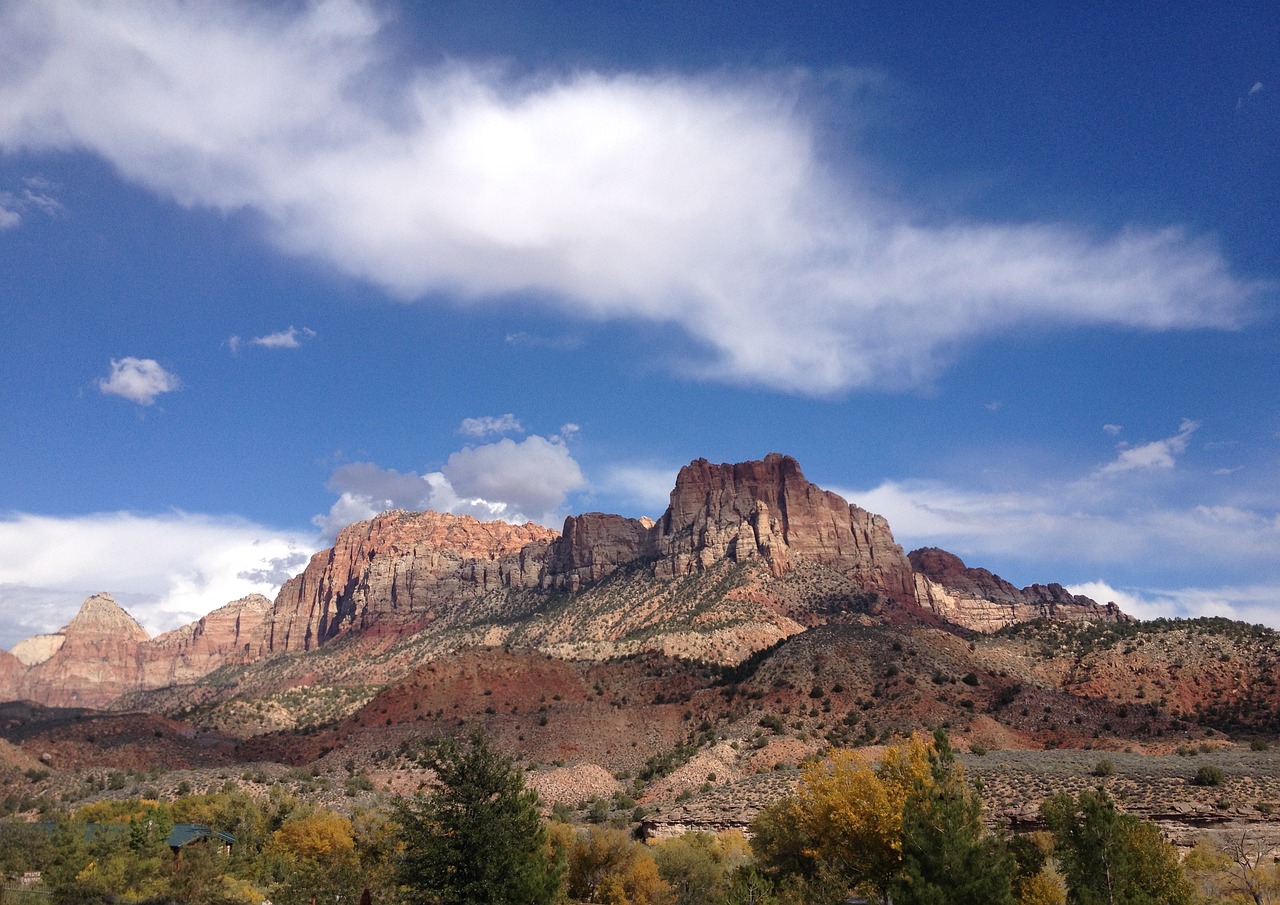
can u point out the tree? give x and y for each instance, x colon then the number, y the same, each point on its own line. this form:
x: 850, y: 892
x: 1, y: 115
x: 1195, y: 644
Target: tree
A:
x: 845, y: 820
x: 948, y: 855
x: 1110, y: 858
x: 607, y: 866
x: 313, y: 855
x: 479, y: 838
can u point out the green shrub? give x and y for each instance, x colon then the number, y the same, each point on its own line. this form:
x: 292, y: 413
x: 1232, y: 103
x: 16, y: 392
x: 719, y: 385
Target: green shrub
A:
x: 1209, y: 775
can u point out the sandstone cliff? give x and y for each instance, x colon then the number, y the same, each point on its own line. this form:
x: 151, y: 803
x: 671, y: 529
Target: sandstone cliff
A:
x: 103, y: 653
x: 979, y: 600
x: 769, y: 510
x: 396, y: 572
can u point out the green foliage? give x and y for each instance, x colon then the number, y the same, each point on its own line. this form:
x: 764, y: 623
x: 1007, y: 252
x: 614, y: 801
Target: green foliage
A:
x: 908, y: 828
x: 1209, y: 775
x: 948, y: 856
x: 479, y: 838
x: 1104, y: 767
x: 1110, y: 858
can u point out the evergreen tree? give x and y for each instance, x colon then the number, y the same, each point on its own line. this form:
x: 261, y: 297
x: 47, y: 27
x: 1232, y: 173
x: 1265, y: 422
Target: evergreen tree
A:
x: 948, y: 855
x: 1110, y: 858
x: 479, y: 838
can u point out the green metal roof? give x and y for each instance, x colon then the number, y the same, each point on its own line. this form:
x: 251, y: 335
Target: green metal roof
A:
x: 190, y: 832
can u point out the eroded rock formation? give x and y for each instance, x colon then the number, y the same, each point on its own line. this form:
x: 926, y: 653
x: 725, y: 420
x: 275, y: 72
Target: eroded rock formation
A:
x: 979, y: 600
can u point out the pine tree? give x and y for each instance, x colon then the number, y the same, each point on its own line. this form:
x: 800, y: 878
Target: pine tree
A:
x: 948, y: 855
x: 479, y: 838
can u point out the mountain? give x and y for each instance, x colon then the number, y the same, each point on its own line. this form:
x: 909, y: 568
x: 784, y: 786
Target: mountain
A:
x: 103, y: 653
x: 744, y: 556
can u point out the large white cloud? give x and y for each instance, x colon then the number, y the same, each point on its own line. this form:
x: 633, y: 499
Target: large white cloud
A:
x: 513, y: 481
x: 704, y: 203
x: 167, y: 570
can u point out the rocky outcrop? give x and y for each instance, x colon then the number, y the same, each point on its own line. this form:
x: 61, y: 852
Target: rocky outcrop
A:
x: 402, y: 572
x: 37, y: 648
x: 595, y: 545
x: 768, y: 510
x: 234, y: 633
x: 976, y: 599
x: 398, y: 570
x: 103, y: 653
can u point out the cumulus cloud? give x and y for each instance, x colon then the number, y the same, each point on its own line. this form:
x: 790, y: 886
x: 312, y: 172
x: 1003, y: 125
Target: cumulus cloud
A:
x: 9, y: 217
x: 139, y: 380
x: 167, y: 570
x: 700, y: 202
x: 514, y: 482
x: 1157, y: 455
x: 486, y: 425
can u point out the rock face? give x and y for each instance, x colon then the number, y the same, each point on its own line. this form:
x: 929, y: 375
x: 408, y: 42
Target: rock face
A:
x: 396, y: 571
x: 103, y: 653
x: 768, y: 510
x: 979, y: 600
x: 234, y: 633
x: 97, y: 661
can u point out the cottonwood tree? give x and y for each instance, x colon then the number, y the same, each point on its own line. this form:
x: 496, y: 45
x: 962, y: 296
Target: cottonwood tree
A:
x: 479, y: 839
x: 1110, y: 858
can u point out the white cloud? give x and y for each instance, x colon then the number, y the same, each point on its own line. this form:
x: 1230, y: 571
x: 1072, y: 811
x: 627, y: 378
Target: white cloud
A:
x: 167, y: 570
x: 1113, y: 429
x: 699, y: 202
x: 486, y: 425
x: 1257, y: 86
x: 1254, y: 604
x: 514, y: 482
x: 1073, y: 523
x: 645, y: 488
x: 531, y: 477
x: 284, y: 339
x: 139, y: 380
x: 1159, y: 454
x: 35, y: 195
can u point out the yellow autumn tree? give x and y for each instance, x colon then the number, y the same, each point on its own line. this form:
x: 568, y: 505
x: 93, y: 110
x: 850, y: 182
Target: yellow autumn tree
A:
x: 608, y: 867
x: 320, y: 835
x: 846, y: 816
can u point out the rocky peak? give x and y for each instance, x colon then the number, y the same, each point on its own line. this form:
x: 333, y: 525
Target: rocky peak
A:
x: 767, y: 509
x: 101, y: 615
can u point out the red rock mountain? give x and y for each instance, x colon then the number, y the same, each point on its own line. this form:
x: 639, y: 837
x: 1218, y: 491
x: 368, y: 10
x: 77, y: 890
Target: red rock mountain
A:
x: 103, y: 653
x: 778, y: 554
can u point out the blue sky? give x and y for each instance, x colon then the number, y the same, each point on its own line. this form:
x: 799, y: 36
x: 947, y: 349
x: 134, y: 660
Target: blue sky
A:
x: 1009, y: 277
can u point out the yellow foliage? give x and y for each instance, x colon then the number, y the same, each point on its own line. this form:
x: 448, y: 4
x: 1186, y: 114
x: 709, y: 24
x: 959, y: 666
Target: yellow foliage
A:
x: 850, y: 811
x: 319, y: 836
x: 1043, y: 889
x: 118, y: 810
x: 607, y: 866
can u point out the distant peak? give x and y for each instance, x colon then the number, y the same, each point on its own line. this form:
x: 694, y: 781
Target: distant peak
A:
x: 100, y: 614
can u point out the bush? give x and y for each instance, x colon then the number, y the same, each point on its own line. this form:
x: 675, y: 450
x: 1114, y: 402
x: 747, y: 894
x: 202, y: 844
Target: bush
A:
x: 1209, y: 775
x: 1104, y: 767
x: 1259, y: 744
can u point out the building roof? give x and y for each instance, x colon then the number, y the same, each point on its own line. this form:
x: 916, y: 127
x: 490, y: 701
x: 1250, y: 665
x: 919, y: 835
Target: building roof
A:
x: 190, y: 832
